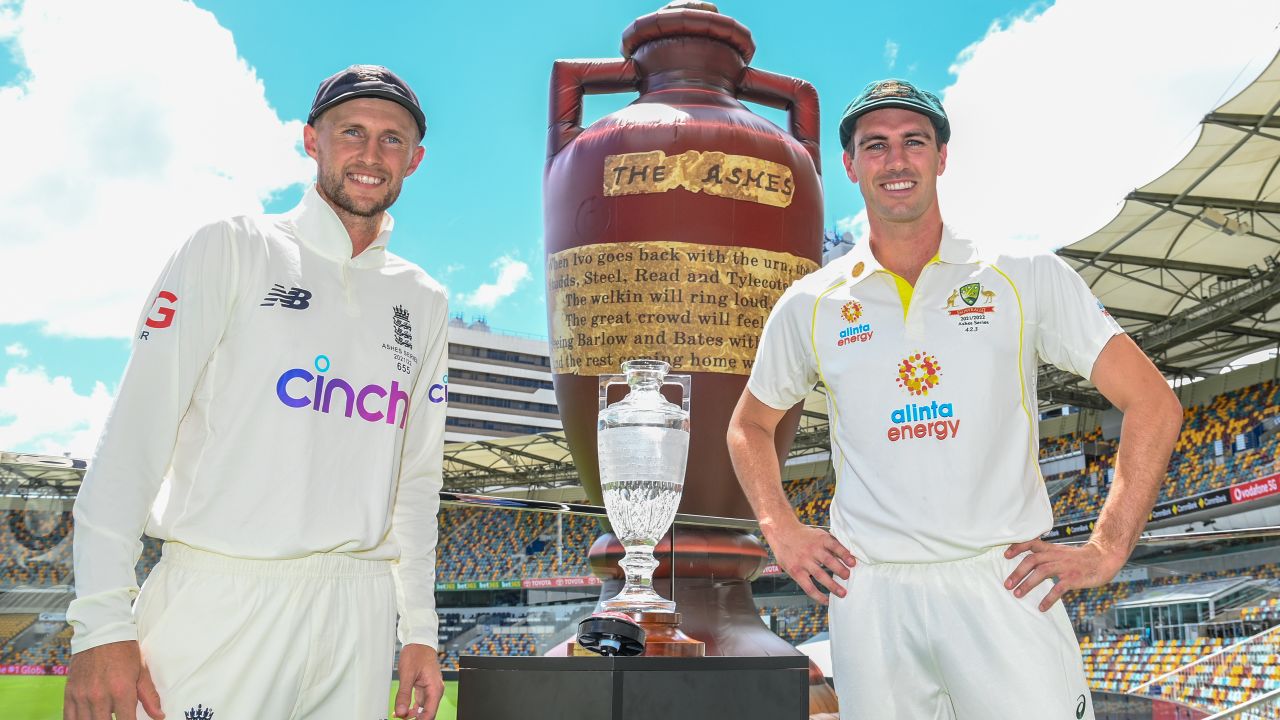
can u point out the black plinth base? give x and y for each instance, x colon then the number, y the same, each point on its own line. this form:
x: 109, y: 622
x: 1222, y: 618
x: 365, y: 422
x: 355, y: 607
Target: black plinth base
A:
x: 633, y: 688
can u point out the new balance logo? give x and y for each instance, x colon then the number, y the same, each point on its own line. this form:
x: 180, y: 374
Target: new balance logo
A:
x: 293, y: 298
x: 199, y: 712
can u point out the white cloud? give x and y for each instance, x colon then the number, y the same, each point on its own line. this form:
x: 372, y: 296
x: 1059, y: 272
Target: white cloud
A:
x: 511, y: 273
x: 1057, y: 116
x: 39, y: 414
x: 16, y: 350
x: 890, y: 53
x: 128, y: 126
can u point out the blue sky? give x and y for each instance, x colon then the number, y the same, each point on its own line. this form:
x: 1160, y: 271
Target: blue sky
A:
x: 140, y: 122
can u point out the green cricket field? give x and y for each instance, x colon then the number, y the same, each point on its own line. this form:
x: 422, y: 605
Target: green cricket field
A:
x: 40, y: 698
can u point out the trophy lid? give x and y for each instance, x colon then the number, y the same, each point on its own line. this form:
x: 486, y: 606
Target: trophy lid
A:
x: 689, y: 18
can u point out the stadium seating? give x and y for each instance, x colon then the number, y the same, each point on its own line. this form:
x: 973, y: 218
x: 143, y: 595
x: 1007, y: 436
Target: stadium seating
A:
x: 1120, y: 663
x: 1237, y: 674
x: 1221, y: 443
x: 14, y: 623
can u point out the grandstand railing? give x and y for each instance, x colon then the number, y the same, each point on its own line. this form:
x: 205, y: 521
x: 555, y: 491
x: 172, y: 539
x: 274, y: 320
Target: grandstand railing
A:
x: 1213, y: 682
x: 1266, y: 707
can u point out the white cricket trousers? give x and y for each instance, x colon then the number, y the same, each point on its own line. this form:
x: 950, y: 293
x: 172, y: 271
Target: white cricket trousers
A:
x: 947, y: 641
x: 233, y: 639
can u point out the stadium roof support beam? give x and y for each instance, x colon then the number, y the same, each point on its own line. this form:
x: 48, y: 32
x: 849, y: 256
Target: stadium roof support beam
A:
x: 1164, y: 263
x: 1220, y: 203
x: 1155, y: 317
x: 1213, y: 313
x: 1242, y: 120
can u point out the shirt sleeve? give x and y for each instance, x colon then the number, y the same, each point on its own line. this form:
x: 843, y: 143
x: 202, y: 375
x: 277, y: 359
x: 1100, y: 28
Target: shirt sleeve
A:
x: 1072, y: 326
x: 785, y: 369
x: 413, y: 519
x: 183, y: 320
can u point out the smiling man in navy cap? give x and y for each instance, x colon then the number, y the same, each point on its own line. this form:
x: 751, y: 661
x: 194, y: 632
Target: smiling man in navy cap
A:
x: 943, y: 599
x: 280, y: 426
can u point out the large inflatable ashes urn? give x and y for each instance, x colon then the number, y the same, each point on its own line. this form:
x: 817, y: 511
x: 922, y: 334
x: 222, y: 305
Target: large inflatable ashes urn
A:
x: 672, y: 227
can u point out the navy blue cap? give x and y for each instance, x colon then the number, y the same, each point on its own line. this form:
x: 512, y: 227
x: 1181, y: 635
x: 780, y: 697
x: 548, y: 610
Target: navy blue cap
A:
x: 360, y: 81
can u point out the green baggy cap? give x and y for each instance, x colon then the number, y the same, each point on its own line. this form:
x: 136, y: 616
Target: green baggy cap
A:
x: 894, y: 93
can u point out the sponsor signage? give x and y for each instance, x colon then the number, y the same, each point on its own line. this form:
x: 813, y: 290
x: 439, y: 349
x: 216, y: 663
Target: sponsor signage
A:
x: 480, y: 585
x: 526, y: 584
x: 33, y: 669
x: 1256, y: 489
x: 1235, y: 495
x: 536, y: 583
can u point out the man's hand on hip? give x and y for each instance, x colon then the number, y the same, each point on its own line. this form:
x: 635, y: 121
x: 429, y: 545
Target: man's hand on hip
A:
x: 421, y: 685
x: 1072, y: 568
x: 110, y: 679
x: 811, y: 557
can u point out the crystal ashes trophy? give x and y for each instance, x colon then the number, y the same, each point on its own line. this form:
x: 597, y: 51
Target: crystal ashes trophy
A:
x: 643, y: 444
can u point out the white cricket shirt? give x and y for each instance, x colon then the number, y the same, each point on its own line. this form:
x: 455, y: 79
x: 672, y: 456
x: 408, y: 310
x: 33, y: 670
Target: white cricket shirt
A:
x: 282, y: 399
x: 932, y: 391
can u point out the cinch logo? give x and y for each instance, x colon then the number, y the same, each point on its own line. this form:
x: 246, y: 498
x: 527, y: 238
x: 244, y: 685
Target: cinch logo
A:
x: 439, y: 392
x: 323, y: 389
x: 919, y: 373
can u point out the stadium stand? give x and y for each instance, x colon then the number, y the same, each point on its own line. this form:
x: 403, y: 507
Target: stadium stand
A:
x: 1117, y: 664
x: 1230, y: 676
x: 1222, y: 442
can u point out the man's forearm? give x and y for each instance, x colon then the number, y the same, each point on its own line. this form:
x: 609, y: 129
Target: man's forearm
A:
x: 756, y: 465
x: 1146, y: 441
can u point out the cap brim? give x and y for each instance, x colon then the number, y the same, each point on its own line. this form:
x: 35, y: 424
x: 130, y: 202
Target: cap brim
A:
x: 846, y: 124
x: 414, y: 111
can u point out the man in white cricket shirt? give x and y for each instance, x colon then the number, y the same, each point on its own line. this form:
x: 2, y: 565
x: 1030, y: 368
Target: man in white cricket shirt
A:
x: 927, y: 345
x: 280, y: 426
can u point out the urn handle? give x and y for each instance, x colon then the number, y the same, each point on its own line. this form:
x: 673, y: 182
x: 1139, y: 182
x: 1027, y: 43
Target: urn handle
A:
x: 684, y: 382
x: 797, y: 97
x: 570, y: 80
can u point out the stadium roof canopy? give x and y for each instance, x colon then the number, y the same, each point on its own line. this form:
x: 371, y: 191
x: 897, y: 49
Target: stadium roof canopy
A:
x: 1189, y: 265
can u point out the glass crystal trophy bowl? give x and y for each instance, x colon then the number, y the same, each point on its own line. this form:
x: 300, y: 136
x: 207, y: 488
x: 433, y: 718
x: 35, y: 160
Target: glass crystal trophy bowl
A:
x: 643, y: 444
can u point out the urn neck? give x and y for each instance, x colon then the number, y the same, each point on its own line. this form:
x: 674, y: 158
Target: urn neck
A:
x: 689, y: 63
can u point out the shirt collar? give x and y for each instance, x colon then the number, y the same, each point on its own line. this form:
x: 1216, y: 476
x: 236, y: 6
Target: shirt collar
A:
x: 318, y: 227
x: 860, y: 263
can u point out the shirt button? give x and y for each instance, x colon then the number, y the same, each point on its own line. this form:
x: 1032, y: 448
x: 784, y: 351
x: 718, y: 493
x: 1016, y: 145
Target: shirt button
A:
x: 857, y: 269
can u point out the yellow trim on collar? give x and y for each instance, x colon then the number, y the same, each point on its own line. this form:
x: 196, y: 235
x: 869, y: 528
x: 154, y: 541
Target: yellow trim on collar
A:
x: 905, y: 290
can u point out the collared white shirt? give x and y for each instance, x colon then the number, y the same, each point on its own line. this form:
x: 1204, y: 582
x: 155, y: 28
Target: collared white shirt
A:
x: 931, y: 391
x: 282, y: 399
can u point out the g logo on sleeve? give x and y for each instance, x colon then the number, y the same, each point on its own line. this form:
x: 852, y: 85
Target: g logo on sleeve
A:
x: 161, y: 315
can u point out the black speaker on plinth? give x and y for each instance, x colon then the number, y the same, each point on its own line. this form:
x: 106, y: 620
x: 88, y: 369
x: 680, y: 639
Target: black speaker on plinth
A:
x: 633, y: 688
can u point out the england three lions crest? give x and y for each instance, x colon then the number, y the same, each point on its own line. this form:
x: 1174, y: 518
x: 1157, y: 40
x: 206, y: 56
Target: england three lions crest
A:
x: 402, y: 328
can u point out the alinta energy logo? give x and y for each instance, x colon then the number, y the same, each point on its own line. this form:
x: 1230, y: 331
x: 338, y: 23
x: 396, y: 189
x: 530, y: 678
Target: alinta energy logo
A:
x: 854, y: 332
x: 918, y: 374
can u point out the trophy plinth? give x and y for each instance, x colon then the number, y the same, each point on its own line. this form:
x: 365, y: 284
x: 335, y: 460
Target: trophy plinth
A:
x: 662, y: 637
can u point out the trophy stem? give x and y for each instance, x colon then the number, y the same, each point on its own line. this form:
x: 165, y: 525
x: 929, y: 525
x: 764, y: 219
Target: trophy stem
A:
x: 638, y: 565
x: 637, y: 595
